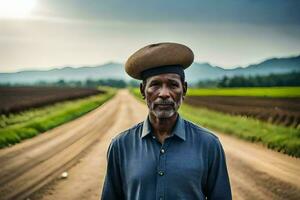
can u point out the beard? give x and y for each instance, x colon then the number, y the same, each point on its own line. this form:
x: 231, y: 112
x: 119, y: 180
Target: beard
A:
x: 164, y: 108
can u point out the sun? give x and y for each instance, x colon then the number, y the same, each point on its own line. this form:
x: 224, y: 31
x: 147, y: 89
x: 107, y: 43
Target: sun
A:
x: 16, y: 8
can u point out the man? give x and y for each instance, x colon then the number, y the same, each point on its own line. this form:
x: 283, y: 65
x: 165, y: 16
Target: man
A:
x: 165, y: 157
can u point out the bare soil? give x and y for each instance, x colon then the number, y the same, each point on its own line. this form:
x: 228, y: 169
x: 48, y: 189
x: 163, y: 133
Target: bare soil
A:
x: 33, y: 168
x: 17, y: 99
x: 283, y: 111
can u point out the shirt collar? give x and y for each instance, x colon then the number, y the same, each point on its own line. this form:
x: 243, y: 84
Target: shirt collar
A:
x: 178, y: 130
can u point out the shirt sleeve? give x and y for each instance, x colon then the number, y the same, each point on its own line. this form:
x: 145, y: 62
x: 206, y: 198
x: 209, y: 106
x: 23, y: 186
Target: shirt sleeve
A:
x: 112, y: 187
x: 218, y: 184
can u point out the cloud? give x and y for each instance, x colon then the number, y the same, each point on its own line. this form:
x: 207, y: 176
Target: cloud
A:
x: 225, y: 33
x: 264, y: 12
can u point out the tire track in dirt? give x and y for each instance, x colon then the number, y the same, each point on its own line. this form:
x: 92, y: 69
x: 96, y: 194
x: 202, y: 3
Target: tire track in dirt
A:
x: 260, y: 173
x: 49, y: 154
x: 90, y: 170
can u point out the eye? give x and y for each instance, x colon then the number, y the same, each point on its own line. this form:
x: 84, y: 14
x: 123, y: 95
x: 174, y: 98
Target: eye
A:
x: 154, y: 83
x: 174, y: 85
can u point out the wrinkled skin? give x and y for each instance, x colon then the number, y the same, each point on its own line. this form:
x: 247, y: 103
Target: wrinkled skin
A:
x: 164, y: 94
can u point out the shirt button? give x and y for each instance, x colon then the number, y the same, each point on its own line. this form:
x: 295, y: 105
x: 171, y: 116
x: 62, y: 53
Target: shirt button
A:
x: 161, y: 173
x: 153, y: 137
x: 161, y: 198
x: 162, y: 151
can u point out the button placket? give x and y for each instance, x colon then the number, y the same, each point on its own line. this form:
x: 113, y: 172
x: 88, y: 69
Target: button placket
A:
x: 162, y: 169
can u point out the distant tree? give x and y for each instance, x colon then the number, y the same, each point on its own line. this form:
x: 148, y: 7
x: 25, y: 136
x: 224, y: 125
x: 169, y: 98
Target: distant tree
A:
x: 41, y: 83
x: 223, y: 82
x: 6, y: 85
x: 287, y: 79
x: 133, y: 83
x: 61, y: 83
x: 207, y: 83
x: 75, y: 83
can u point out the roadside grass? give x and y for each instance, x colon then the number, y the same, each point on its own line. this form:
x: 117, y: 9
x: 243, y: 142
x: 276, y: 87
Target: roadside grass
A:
x: 17, y: 127
x: 284, y: 92
x: 279, y: 138
x: 136, y: 93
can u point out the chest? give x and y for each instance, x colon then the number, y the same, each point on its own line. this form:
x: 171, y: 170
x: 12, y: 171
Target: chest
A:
x: 174, y: 161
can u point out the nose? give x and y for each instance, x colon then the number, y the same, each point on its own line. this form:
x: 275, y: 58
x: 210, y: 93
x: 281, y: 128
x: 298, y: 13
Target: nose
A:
x: 164, y: 93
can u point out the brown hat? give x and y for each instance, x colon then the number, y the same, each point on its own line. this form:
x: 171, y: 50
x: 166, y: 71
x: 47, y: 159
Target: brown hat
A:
x: 161, y: 55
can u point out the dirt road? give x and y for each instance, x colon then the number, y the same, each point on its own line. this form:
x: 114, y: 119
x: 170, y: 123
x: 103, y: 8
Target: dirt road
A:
x: 80, y: 146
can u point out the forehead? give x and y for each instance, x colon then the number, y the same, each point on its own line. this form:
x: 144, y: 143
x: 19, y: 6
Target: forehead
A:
x: 164, y: 77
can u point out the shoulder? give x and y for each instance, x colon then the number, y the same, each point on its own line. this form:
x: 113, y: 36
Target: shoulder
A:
x: 201, y: 133
x: 128, y: 135
x: 208, y: 141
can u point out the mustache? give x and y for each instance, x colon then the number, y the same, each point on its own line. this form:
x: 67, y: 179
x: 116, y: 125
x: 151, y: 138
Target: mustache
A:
x: 164, y: 102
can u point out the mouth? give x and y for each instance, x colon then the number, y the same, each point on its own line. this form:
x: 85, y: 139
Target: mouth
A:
x: 164, y: 106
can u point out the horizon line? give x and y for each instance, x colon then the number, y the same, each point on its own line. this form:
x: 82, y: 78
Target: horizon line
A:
x: 114, y: 62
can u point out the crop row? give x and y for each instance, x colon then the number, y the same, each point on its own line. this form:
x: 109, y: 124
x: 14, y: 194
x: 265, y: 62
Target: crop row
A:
x: 274, y: 92
x: 280, y: 111
x: 17, y: 99
x: 17, y: 127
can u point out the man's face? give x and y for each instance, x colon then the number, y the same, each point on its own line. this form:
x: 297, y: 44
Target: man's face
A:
x: 164, y: 94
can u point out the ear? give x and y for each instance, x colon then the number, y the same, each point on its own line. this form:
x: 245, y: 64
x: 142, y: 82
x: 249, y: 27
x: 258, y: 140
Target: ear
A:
x: 142, y: 90
x: 184, y: 89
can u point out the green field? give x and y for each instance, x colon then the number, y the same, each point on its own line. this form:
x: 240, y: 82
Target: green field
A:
x: 283, y: 139
x: 16, y: 127
x: 279, y: 138
x: 251, y: 91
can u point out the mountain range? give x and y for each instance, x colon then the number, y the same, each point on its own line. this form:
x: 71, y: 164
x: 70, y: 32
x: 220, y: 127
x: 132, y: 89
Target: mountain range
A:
x: 197, y: 72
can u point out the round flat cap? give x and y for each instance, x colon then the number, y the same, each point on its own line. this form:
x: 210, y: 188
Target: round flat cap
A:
x: 158, y: 55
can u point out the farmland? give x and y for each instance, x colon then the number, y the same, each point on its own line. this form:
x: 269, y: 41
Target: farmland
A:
x: 16, y: 99
x: 277, y: 137
x: 280, y: 111
x: 31, y: 122
x: 255, y: 172
x: 275, y: 92
x: 277, y: 105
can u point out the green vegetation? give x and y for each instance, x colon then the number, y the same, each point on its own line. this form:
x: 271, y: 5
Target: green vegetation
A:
x: 136, y: 92
x: 271, y: 80
x: 89, y: 83
x: 251, y: 91
x: 17, y: 127
x: 283, y: 139
x: 275, y: 92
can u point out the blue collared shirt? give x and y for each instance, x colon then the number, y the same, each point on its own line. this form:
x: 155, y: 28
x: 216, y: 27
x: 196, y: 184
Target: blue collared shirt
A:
x: 190, y: 164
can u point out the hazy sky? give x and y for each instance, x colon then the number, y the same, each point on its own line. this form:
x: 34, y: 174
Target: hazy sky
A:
x: 42, y: 34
